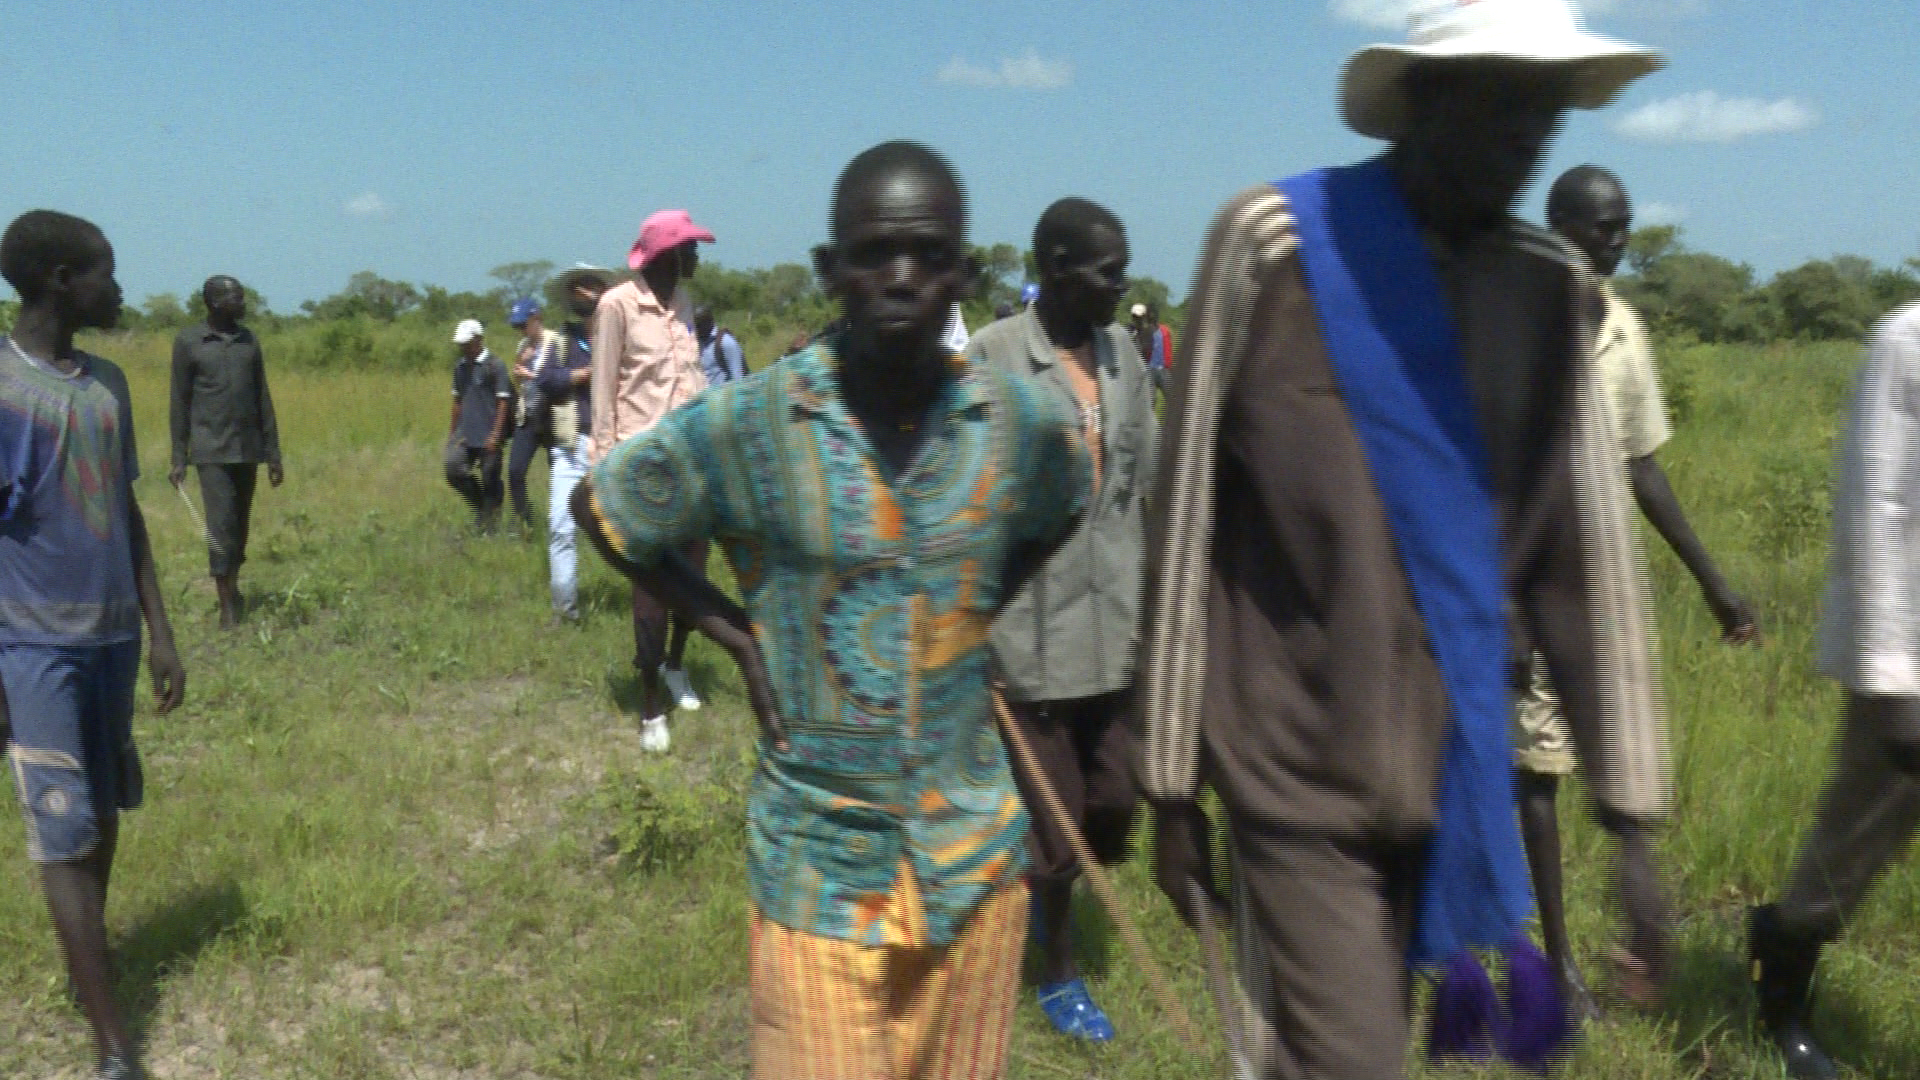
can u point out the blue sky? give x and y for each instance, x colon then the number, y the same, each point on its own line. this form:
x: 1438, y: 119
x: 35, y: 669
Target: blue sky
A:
x: 430, y: 140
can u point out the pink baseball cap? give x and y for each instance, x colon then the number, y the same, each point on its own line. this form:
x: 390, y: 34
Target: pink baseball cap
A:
x: 662, y: 231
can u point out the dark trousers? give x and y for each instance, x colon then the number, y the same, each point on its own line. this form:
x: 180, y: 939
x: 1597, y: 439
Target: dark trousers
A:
x: 484, y: 492
x: 1868, y: 815
x: 1084, y: 748
x: 227, y: 493
x: 527, y: 439
x: 1322, y: 926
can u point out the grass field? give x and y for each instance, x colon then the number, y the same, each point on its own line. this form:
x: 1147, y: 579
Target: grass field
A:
x: 403, y: 829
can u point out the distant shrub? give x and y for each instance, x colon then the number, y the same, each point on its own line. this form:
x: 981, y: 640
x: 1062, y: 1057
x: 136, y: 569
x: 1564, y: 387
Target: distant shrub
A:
x: 661, y: 819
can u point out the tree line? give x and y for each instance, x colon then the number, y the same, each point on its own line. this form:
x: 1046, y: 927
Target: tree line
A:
x: 1696, y: 295
x: 1683, y: 293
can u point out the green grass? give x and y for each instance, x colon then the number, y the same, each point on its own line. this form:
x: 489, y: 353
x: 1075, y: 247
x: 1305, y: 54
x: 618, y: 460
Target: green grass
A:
x: 385, y: 836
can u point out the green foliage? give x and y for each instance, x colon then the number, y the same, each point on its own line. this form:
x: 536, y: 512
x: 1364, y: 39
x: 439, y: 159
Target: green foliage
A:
x: 368, y: 294
x: 521, y: 279
x: 1793, y: 508
x: 162, y: 311
x: 1693, y: 294
x: 1826, y: 300
x: 9, y: 311
x: 660, y: 819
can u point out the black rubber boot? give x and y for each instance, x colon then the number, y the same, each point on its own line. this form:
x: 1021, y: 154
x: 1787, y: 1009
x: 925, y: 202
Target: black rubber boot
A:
x: 1782, y: 966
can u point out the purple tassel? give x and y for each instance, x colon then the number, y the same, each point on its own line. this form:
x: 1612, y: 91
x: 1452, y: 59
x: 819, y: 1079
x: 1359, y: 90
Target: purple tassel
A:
x: 1466, y: 1013
x: 1539, y: 1033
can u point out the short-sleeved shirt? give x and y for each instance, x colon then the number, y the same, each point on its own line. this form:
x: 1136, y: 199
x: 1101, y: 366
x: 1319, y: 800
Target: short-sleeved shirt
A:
x: 893, y: 813
x: 1625, y: 360
x: 479, y: 385
x: 67, y: 464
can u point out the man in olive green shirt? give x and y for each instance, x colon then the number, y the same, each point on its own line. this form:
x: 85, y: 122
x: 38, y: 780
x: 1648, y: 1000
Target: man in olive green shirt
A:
x: 1065, y: 643
x: 223, y: 424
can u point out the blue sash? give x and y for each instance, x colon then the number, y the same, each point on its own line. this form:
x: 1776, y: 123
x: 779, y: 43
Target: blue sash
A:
x: 1396, y: 356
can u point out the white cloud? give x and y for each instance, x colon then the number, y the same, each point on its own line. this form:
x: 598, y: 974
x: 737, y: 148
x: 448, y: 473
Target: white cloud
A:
x: 369, y: 205
x: 1028, y: 71
x: 1659, y: 213
x: 1392, y: 14
x: 1705, y: 116
x: 1386, y: 14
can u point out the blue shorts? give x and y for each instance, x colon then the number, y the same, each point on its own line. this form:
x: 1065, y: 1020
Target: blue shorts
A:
x: 72, y: 747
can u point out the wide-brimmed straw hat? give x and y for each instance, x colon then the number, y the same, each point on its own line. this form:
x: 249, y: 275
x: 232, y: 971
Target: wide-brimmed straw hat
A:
x: 1373, y: 100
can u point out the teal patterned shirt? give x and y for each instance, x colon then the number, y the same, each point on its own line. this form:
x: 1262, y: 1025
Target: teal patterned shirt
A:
x: 893, y: 814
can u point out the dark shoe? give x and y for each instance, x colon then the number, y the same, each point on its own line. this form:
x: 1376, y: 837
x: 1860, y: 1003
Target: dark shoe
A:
x: 1781, y: 967
x: 119, y: 1068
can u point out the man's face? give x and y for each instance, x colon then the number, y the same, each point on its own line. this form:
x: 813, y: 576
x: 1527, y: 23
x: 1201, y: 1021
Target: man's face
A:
x: 226, y: 300
x: 1480, y: 130
x: 899, y: 261
x: 95, y: 294
x: 1089, y: 283
x: 689, y: 258
x: 1599, y: 224
x: 472, y: 348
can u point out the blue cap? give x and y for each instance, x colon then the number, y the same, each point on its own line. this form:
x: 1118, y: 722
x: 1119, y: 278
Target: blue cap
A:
x: 1029, y: 293
x: 523, y: 309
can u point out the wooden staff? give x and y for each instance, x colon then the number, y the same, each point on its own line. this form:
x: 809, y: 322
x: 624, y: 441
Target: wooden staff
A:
x: 1097, y: 877
x: 199, y: 522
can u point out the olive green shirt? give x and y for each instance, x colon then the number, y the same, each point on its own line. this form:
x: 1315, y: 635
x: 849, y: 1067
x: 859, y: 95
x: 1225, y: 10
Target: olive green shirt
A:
x: 221, y: 411
x: 1073, y: 630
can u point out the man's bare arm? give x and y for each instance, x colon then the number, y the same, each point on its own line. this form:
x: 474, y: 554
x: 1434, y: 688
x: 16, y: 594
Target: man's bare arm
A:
x: 689, y: 594
x: 163, y: 660
x: 1662, y: 509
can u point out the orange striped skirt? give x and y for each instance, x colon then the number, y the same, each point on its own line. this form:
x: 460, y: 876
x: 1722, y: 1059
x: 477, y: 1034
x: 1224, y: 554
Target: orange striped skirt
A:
x: 826, y: 1009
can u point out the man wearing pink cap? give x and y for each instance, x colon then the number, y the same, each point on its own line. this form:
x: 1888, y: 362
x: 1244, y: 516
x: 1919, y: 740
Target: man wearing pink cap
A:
x: 646, y: 363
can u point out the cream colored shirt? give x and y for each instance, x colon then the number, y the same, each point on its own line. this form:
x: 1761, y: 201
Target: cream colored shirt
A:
x: 646, y: 363
x: 1624, y: 358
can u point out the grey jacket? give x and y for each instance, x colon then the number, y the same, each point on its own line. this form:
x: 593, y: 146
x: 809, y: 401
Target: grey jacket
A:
x: 1073, y: 631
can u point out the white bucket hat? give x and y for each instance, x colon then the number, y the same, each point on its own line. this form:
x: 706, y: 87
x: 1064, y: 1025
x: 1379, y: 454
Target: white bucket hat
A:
x: 1529, y: 31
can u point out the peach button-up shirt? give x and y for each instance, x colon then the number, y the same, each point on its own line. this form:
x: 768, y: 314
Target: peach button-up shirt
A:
x: 646, y: 363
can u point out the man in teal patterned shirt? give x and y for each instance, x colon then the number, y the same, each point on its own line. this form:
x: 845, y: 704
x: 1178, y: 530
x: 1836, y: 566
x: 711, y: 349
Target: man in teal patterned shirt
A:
x: 878, y: 497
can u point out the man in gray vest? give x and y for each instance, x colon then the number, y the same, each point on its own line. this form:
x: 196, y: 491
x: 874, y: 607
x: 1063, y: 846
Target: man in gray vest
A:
x: 1065, y: 643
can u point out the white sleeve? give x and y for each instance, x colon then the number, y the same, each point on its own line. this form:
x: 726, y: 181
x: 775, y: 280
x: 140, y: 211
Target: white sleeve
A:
x: 1880, y: 486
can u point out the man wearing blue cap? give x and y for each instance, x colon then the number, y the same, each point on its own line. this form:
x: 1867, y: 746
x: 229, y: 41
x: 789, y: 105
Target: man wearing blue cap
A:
x: 538, y: 346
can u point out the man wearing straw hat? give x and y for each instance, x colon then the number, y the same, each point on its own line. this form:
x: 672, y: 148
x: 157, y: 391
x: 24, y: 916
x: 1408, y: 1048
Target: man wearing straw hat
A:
x: 1384, y: 446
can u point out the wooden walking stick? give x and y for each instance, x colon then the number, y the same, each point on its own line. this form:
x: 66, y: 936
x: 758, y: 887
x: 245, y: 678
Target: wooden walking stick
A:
x: 1097, y: 877
x: 1231, y: 1020
x: 199, y: 522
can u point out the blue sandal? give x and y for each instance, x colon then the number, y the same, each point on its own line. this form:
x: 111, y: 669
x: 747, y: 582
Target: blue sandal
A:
x: 1071, y: 1011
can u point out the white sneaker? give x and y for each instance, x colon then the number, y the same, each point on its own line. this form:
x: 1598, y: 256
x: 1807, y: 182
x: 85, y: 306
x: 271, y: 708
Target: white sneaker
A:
x: 654, y: 738
x: 680, y: 687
